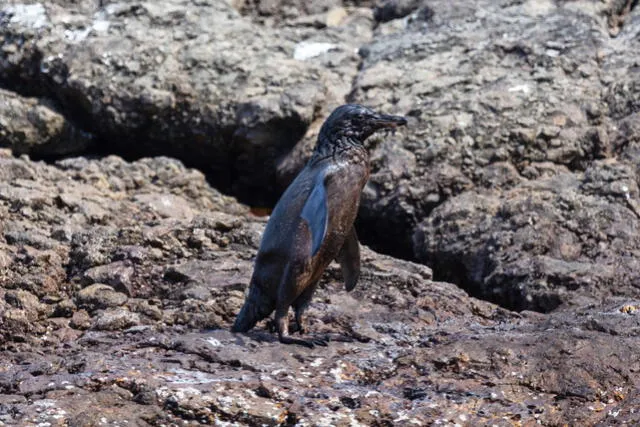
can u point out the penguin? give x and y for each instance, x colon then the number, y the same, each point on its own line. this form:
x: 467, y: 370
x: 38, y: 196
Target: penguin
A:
x: 313, y: 223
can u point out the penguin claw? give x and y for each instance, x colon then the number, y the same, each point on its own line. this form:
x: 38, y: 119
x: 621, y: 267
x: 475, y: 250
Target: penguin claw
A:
x: 309, y: 343
x: 320, y: 341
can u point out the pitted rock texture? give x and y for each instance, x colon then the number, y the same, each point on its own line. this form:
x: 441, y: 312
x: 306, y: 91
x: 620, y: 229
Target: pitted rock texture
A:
x: 120, y: 281
x: 516, y: 178
x: 32, y: 126
x: 194, y: 80
x: 580, y: 232
x: 501, y: 95
x: 515, y: 107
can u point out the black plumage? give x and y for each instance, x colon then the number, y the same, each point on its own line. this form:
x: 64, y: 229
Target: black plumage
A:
x: 312, y: 223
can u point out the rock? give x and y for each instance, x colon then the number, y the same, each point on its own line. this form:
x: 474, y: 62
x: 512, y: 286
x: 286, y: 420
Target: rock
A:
x: 80, y: 320
x: 115, y: 319
x: 147, y: 308
x: 473, y: 104
x: 99, y: 296
x: 16, y: 322
x: 409, y: 337
x: 516, y: 178
x: 28, y: 302
x: 168, y: 78
x: 197, y: 292
x: 283, y: 9
x: 30, y: 126
x: 167, y: 206
x: 395, y: 9
x: 65, y: 308
x: 552, y: 241
x: 117, y: 274
x: 228, y: 273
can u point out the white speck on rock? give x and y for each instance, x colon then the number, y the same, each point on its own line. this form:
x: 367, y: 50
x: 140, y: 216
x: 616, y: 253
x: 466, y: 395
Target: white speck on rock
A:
x: 101, y: 25
x: 185, y: 393
x: 226, y: 400
x: 308, y: 50
x: 47, y: 403
x: 337, y: 372
x: 76, y: 36
x: 30, y: 15
x: 520, y: 88
x: 214, y: 342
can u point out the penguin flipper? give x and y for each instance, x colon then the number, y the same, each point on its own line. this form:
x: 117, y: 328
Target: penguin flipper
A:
x: 349, y: 259
x: 316, y: 213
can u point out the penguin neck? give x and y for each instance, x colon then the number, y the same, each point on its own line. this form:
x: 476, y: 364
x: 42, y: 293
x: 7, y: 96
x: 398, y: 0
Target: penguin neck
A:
x: 337, y: 146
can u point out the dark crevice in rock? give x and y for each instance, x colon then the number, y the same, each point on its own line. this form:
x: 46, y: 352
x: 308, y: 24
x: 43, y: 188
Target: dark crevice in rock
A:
x: 385, y: 235
x: 235, y: 159
x: 458, y: 272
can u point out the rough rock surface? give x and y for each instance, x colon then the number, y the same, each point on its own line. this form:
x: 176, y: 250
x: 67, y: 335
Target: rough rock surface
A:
x: 110, y: 299
x: 194, y: 80
x: 501, y: 96
x: 580, y: 234
x: 521, y: 111
x: 517, y: 179
x: 31, y: 126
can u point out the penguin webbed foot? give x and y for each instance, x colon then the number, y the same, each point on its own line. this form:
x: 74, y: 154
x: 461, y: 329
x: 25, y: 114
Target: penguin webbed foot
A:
x: 297, y: 327
x: 310, y: 343
x: 294, y: 327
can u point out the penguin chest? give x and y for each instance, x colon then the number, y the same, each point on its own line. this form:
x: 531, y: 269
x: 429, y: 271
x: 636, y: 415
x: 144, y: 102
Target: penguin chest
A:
x: 344, y: 187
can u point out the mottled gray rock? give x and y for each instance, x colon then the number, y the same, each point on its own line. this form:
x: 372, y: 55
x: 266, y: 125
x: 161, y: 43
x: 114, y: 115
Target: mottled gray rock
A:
x: 99, y: 296
x: 80, y: 320
x: 115, y: 319
x: 543, y: 243
x: 494, y: 95
x: 517, y: 178
x: 389, y: 10
x: 144, y: 358
x: 173, y: 78
x: 117, y: 274
x: 28, y: 302
x: 32, y: 126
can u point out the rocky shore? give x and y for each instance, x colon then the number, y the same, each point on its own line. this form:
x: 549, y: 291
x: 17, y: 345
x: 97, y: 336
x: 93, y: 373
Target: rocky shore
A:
x: 501, y: 279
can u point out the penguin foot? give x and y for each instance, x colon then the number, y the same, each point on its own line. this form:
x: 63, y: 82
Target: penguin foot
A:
x: 294, y: 327
x: 310, y: 343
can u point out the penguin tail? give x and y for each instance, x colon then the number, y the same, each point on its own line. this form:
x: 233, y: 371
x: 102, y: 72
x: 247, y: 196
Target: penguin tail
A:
x: 256, y: 307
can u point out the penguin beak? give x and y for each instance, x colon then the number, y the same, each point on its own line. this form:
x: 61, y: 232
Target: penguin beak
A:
x: 380, y: 121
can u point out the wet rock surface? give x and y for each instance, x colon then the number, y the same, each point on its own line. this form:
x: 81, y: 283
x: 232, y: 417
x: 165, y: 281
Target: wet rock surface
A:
x: 110, y: 303
x: 516, y: 179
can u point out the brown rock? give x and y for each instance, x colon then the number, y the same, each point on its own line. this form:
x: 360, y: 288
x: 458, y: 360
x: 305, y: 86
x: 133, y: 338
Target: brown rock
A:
x: 115, y: 319
x: 80, y: 320
x: 100, y: 296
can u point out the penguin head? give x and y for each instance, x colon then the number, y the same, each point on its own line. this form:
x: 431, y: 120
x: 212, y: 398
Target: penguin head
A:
x: 357, y: 123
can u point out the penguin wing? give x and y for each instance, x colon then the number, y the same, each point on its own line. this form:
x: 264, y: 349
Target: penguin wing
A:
x: 316, y: 213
